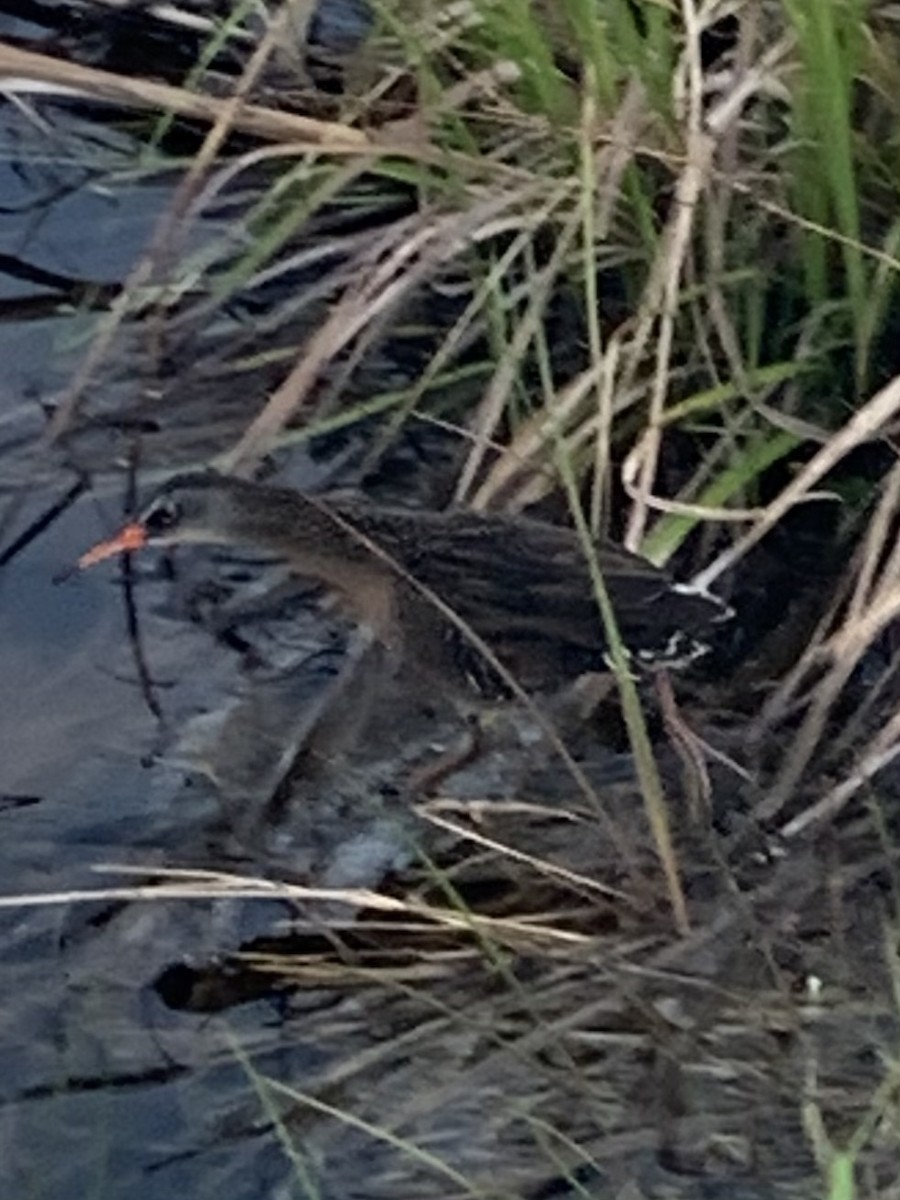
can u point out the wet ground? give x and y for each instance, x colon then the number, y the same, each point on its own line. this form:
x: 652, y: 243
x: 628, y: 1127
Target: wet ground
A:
x: 517, y: 1019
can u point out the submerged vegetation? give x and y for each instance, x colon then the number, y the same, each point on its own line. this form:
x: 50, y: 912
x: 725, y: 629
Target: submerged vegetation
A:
x: 636, y: 263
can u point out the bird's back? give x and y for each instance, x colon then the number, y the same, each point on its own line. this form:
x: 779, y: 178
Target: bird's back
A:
x: 525, y: 586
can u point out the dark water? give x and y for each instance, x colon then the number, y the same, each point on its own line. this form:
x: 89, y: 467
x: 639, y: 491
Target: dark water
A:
x: 106, y: 1090
x: 123, y: 1046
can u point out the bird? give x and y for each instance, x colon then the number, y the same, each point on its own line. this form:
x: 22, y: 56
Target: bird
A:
x: 438, y: 587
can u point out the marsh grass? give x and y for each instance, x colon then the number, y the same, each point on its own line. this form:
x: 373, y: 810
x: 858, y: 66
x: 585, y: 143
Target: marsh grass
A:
x: 648, y: 261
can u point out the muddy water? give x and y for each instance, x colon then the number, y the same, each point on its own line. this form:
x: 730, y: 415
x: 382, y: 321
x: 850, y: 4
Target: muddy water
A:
x: 101, y: 1084
x: 102, y: 1080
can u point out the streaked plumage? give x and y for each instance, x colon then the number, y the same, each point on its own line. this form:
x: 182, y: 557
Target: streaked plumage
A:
x: 522, y: 585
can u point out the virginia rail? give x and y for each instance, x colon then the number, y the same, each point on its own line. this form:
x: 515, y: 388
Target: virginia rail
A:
x: 523, y: 586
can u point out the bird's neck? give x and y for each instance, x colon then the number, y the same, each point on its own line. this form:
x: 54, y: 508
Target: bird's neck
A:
x: 316, y: 536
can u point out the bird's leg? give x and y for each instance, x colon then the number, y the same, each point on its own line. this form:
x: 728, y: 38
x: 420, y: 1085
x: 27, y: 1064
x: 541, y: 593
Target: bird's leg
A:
x: 423, y: 780
x: 345, y: 707
x: 578, y: 701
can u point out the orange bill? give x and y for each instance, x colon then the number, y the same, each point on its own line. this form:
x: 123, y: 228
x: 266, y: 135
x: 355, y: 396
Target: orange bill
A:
x: 129, y: 537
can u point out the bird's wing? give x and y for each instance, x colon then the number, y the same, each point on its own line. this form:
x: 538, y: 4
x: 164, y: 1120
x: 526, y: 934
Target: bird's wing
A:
x: 502, y: 574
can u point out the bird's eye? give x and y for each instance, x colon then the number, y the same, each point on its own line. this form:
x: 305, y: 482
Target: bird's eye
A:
x: 164, y: 515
